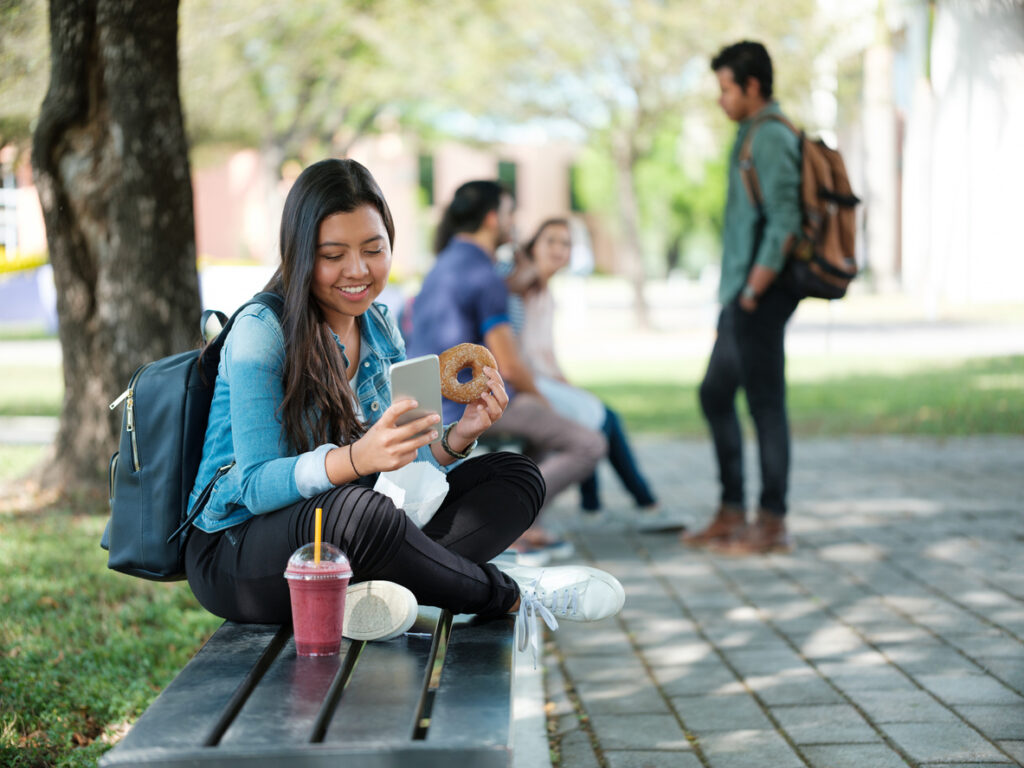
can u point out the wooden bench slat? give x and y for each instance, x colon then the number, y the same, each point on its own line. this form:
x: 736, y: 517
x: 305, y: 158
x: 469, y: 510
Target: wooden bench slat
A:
x: 284, y: 707
x: 187, y: 711
x: 247, y: 700
x: 383, y: 698
x: 414, y: 755
x: 473, y: 704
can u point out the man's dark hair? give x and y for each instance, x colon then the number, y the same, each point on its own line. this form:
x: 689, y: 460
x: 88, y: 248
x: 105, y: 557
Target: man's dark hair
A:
x: 468, y: 209
x: 746, y: 59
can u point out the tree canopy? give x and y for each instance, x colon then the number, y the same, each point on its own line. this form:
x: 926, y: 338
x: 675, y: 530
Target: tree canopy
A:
x: 304, y: 80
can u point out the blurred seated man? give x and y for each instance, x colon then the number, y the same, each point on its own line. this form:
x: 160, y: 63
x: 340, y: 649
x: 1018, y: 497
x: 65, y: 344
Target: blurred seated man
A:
x: 464, y: 299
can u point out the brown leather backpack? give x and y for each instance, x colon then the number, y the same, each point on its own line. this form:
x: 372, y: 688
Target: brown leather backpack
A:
x: 821, y: 261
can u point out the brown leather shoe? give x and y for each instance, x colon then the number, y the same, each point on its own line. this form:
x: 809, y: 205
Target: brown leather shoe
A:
x: 766, y: 534
x: 729, y: 523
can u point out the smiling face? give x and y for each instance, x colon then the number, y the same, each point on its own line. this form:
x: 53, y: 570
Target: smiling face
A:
x: 552, y: 250
x: 353, y: 259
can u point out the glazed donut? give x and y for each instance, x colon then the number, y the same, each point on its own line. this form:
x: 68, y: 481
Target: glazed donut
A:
x: 472, y: 356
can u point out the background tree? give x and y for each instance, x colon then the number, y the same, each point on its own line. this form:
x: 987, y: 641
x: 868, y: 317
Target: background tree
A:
x: 630, y: 73
x: 111, y: 166
x: 23, y: 63
x: 307, y: 81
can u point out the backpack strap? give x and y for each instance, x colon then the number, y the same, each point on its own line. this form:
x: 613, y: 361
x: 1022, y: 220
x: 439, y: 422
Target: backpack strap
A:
x: 748, y: 173
x: 210, y: 357
x: 207, y: 364
x: 205, y: 319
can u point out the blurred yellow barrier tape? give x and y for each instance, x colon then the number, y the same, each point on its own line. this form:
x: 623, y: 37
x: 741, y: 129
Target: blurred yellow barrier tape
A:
x: 19, y: 262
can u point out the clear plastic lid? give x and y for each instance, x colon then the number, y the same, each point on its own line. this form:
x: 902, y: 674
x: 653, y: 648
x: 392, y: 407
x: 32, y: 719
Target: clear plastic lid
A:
x: 333, y: 563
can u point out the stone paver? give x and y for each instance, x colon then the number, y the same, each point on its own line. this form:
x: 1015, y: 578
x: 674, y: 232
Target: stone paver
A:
x: 853, y: 756
x: 748, y: 749
x: 892, y: 636
x: 651, y: 760
x: 730, y: 712
x: 824, y: 724
x: 930, y: 742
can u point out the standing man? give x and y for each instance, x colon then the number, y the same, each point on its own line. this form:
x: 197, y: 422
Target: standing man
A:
x: 749, y: 350
x: 464, y: 299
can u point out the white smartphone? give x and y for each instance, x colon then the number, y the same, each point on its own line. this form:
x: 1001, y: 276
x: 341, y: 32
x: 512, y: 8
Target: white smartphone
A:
x: 419, y: 379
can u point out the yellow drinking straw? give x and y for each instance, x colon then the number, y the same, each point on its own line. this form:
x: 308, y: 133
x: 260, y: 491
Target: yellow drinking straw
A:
x: 319, y: 518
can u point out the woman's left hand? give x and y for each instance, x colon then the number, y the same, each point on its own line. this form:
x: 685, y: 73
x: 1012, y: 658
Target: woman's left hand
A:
x: 482, y: 412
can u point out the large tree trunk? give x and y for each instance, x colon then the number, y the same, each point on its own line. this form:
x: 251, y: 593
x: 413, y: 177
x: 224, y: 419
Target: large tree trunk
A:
x: 111, y: 164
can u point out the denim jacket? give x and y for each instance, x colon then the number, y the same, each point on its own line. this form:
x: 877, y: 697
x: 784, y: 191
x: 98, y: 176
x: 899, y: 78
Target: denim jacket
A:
x: 245, y: 427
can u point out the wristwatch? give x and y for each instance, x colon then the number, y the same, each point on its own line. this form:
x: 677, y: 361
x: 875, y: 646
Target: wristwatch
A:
x: 748, y: 292
x: 451, y: 451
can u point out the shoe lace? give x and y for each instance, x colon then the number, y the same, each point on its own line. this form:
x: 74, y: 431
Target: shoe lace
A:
x: 531, y: 606
x: 536, y: 602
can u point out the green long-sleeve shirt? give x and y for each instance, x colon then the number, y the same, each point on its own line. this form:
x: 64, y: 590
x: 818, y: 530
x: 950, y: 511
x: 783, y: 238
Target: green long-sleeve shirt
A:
x: 776, y: 156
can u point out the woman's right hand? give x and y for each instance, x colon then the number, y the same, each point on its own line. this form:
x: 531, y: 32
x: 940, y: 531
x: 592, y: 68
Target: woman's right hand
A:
x: 387, y: 446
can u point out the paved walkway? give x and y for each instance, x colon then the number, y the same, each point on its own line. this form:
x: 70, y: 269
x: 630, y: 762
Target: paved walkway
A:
x: 893, y: 635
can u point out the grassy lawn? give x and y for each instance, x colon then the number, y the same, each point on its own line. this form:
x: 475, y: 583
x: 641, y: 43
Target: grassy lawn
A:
x: 83, y: 650
x: 870, y: 396
x: 31, y: 390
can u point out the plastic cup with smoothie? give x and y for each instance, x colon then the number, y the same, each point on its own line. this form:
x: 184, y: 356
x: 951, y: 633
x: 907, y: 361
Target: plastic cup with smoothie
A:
x: 317, y: 587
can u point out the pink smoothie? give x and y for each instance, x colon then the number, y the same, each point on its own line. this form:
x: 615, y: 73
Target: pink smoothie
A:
x: 318, y: 603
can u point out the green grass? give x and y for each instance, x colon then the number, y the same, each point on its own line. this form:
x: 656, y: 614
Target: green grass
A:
x: 833, y: 397
x: 25, y: 332
x: 17, y: 460
x: 31, y: 390
x: 82, y: 650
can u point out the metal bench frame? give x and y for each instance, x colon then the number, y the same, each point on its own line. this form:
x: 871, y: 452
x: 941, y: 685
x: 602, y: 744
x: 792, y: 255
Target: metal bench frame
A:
x: 441, y: 693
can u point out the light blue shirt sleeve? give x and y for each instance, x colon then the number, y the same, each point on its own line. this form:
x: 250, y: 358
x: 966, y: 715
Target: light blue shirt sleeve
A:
x: 311, y: 472
x: 254, y: 367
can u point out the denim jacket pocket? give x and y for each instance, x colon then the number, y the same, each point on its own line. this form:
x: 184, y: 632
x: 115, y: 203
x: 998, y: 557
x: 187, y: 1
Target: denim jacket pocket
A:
x: 226, y: 496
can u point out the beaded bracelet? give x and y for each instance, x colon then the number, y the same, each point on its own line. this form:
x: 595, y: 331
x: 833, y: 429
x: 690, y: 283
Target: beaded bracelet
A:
x: 451, y: 451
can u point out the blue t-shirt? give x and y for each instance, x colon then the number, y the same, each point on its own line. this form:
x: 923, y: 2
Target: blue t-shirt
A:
x: 462, y: 298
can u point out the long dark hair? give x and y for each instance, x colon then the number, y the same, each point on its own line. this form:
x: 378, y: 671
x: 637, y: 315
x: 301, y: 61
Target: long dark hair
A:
x: 467, y: 210
x: 746, y: 59
x: 524, y: 278
x: 318, y: 404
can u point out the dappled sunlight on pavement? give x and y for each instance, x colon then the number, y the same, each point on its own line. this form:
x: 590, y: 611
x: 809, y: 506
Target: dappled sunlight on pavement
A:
x: 892, y: 636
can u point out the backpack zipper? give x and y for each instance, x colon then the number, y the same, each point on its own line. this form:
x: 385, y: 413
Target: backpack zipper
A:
x: 129, y: 415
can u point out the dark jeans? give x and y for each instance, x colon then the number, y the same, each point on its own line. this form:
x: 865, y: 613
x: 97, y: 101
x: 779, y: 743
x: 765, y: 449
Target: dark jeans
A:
x: 623, y: 462
x: 750, y: 353
x: 238, y: 573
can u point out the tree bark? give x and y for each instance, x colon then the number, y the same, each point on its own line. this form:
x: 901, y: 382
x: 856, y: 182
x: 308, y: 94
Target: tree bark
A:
x: 111, y: 166
x: 629, y: 222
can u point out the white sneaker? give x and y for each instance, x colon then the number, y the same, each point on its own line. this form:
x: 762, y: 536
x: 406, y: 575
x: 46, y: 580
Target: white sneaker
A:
x: 378, y: 610
x: 571, y: 592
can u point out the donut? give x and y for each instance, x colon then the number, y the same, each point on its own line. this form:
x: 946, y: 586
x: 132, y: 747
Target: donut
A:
x: 472, y: 356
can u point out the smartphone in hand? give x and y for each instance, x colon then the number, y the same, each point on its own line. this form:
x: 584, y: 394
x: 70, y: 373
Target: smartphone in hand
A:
x: 420, y: 380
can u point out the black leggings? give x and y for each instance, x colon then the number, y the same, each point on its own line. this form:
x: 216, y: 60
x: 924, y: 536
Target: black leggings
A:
x: 238, y: 573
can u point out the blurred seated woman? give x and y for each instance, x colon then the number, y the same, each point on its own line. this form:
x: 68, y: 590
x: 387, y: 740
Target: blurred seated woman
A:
x: 532, y: 307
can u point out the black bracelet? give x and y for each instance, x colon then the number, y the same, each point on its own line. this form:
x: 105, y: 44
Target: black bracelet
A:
x: 451, y: 451
x: 352, y: 461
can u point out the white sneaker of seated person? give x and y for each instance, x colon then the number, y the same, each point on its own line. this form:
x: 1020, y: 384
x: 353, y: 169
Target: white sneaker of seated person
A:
x: 378, y: 610
x: 569, y: 592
